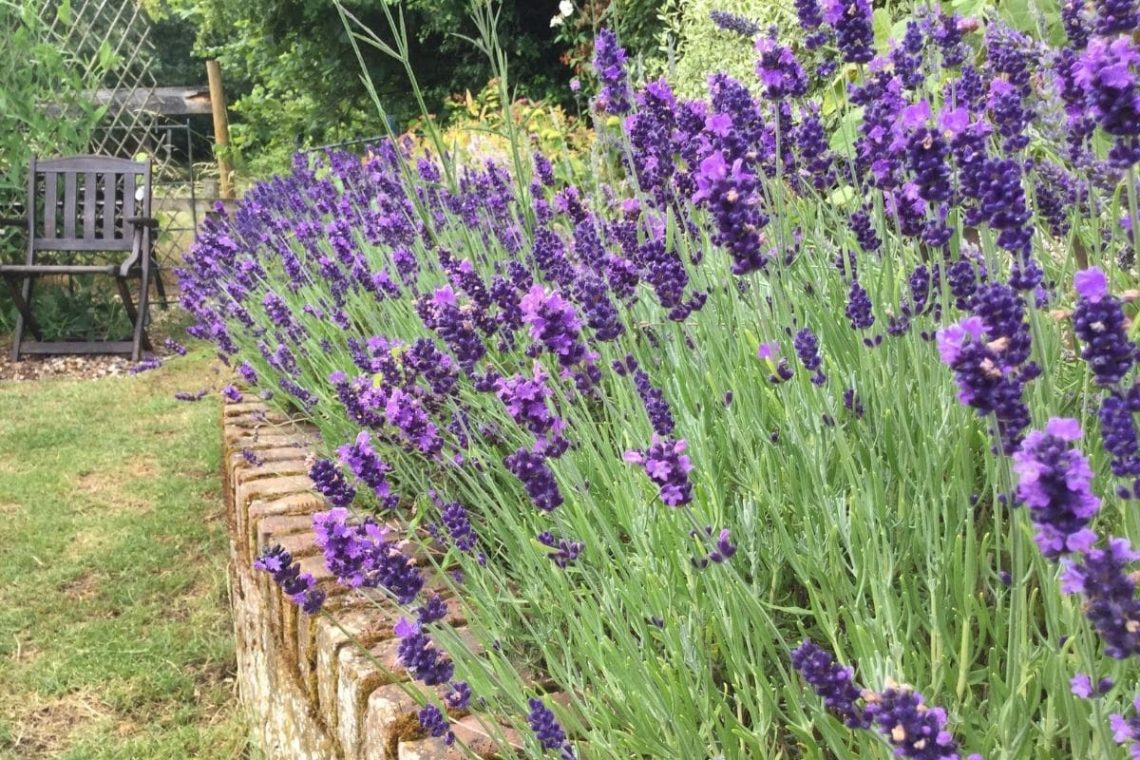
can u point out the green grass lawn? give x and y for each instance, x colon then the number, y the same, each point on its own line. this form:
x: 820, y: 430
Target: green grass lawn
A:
x: 115, y: 637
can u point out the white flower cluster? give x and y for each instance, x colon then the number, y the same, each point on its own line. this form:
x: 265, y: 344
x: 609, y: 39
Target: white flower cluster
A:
x: 565, y: 11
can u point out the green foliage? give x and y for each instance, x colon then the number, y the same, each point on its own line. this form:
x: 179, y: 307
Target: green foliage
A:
x: 32, y: 97
x: 637, y: 24
x: 699, y: 48
x: 80, y: 308
x: 286, y: 64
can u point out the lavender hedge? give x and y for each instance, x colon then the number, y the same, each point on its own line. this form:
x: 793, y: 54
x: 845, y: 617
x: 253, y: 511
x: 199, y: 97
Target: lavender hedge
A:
x: 790, y: 364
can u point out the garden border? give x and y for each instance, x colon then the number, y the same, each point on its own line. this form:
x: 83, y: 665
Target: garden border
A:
x: 308, y: 690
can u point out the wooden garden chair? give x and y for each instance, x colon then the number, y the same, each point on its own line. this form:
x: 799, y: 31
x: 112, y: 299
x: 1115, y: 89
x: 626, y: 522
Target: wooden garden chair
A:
x: 105, y: 211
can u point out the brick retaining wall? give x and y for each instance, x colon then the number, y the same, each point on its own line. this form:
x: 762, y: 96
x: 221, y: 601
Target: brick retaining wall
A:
x: 310, y: 691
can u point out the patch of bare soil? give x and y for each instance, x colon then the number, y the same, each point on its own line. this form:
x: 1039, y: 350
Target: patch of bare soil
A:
x: 45, y: 729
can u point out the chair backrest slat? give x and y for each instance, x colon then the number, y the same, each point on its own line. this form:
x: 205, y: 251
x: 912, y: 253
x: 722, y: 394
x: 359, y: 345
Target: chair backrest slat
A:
x: 51, y: 198
x: 70, y: 191
x: 109, y: 206
x: 90, y: 188
x: 128, y: 195
x: 91, y: 220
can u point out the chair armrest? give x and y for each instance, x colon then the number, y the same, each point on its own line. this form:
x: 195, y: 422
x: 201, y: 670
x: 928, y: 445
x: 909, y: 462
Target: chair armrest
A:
x: 142, y: 221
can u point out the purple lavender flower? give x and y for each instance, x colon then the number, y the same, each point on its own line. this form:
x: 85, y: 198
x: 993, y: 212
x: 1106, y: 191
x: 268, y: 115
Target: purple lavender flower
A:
x: 536, y: 478
x: 434, y: 722
x: 1126, y: 731
x: 406, y: 413
x: 1119, y: 437
x: 667, y: 465
x: 770, y: 354
x: 546, y: 729
x: 927, y: 152
x: 1109, y: 591
x: 1081, y: 685
x: 656, y: 407
x: 1076, y: 23
x: 731, y: 193
x: 361, y: 459
x: 858, y: 309
x: 854, y: 33
x: 809, y: 14
x: 831, y: 681
x: 231, y: 394
x: 1054, y: 483
x: 146, y: 365
x: 188, y: 396
x: 526, y: 400
x: 987, y: 381
x: 1116, y: 17
x: 864, y: 230
x: 906, y: 58
x: 330, y: 482
x: 431, y: 611
x: 564, y: 550
x: 248, y: 373
x: 456, y: 520
x: 418, y: 654
x: 360, y: 555
x: 459, y: 696
x: 722, y: 551
x: 779, y: 71
x: 807, y: 348
x: 946, y: 33
x: 609, y: 65
x: 299, y: 587
x: 174, y: 346
x: 731, y: 22
x: 554, y: 324
x: 1107, y: 73
x: 914, y: 729
x: 1099, y: 322
x: 814, y: 152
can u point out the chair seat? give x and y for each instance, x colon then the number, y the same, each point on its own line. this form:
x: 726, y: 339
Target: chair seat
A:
x: 58, y: 269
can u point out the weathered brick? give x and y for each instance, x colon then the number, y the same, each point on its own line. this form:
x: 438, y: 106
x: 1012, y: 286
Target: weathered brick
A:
x: 485, y: 738
x: 391, y: 716
x: 279, y: 466
x: 365, y: 623
x: 286, y: 504
x: 358, y: 675
x: 271, y: 530
x: 425, y: 749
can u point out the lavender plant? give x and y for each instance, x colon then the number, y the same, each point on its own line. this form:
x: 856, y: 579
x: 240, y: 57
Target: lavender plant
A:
x: 781, y: 366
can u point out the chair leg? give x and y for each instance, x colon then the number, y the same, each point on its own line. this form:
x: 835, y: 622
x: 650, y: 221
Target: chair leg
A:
x: 141, y: 339
x: 158, y: 285
x: 21, y: 298
x: 128, y: 302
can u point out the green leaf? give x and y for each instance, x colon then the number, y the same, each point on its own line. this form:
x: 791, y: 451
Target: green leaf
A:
x: 881, y: 23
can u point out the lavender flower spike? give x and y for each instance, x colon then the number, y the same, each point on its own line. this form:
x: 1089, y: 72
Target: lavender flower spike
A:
x: 609, y: 65
x: 547, y: 730
x: 1099, y: 322
x: 1054, y: 483
x: 831, y: 681
x: 299, y: 587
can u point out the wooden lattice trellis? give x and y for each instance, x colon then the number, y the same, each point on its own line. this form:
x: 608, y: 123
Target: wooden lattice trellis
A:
x: 121, y: 27
x: 97, y: 31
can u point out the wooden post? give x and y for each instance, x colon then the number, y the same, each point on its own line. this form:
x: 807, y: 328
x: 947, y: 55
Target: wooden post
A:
x: 221, y: 126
